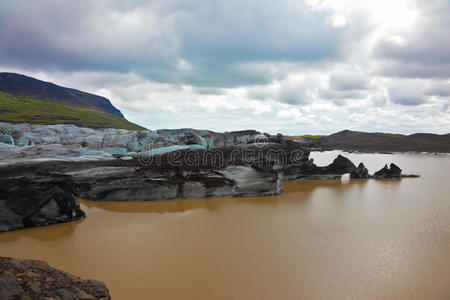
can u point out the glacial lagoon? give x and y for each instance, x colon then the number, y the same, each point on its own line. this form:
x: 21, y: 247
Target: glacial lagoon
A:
x: 335, y: 239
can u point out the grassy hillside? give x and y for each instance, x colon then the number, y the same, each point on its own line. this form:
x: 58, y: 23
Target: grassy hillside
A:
x: 18, y: 110
x: 308, y: 136
x: 32, y: 88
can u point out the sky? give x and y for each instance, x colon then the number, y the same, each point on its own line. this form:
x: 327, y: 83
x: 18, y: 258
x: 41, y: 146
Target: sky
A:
x: 288, y: 66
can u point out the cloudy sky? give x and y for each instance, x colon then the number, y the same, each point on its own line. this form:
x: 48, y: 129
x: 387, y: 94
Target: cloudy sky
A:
x: 290, y: 66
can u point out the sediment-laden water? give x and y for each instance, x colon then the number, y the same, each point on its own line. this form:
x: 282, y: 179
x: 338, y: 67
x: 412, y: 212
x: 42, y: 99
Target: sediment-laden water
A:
x: 358, y: 239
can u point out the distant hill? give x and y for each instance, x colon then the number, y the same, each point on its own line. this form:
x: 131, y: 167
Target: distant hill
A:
x: 20, y: 110
x: 31, y: 88
x: 25, y: 99
x: 379, y: 142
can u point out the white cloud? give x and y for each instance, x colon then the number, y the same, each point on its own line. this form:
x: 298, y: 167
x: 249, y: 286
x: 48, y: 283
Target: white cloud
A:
x: 291, y: 113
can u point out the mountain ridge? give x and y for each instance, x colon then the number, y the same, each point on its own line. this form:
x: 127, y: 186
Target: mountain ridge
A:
x: 379, y: 141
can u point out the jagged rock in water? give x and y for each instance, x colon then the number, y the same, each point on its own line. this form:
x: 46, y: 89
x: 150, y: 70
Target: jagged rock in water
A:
x: 31, y: 279
x: 308, y: 170
x: 360, y: 172
x: 340, y: 165
x: 36, y: 201
x: 392, y: 172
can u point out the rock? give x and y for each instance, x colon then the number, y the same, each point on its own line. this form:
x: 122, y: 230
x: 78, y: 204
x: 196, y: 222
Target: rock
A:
x: 10, y: 289
x: 410, y: 176
x: 392, y: 172
x: 308, y: 170
x: 341, y: 165
x: 35, y: 287
x: 36, y: 201
x: 360, y: 172
x: 64, y: 294
x: 46, y: 283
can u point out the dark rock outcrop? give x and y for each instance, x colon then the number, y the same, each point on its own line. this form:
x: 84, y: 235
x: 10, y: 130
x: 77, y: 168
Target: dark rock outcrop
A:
x: 360, y: 172
x: 36, y: 201
x: 249, y: 170
x: 392, y: 172
x: 340, y: 165
x: 31, y: 279
x: 308, y: 170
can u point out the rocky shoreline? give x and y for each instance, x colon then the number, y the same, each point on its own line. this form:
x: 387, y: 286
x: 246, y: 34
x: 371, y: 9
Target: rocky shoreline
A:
x: 31, y: 279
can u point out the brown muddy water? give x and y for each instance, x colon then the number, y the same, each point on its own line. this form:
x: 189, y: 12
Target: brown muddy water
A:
x: 349, y: 239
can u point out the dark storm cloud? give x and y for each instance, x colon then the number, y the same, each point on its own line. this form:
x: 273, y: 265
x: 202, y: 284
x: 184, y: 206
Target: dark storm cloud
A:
x: 406, y: 99
x: 216, y: 39
x: 407, y: 92
x: 245, y: 31
x: 68, y: 35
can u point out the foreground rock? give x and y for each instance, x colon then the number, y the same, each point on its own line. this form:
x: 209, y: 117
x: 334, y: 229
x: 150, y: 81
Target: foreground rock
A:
x: 31, y: 279
x: 392, y: 172
x: 36, y: 201
x: 360, y: 172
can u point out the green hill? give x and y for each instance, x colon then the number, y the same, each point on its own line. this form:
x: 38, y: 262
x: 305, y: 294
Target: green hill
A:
x: 32, y: 88
x: 20, y: 110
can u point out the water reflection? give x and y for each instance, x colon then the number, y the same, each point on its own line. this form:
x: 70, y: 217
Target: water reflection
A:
x: 43, y: 233
x: 306, y: 188
x: 178, y: 205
